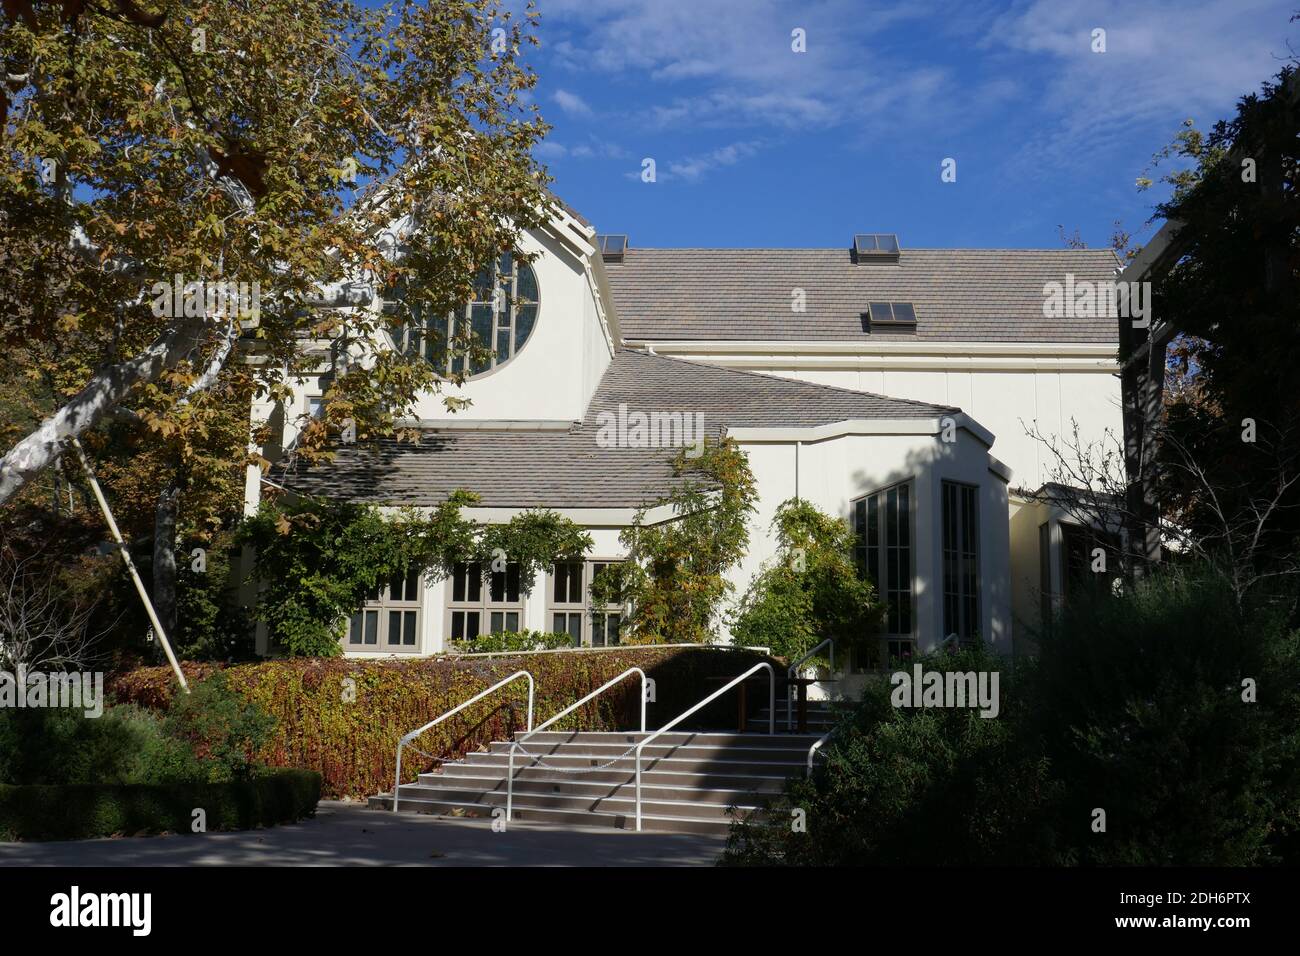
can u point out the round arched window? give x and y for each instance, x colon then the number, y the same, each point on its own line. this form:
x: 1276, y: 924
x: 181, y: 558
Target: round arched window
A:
x: 501, y: 316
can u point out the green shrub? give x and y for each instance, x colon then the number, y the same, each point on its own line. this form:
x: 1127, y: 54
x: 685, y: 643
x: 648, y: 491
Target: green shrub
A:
x: 343, y: 718
x: 513, y: 641
x: 811, y: 591
x: 126, y: 745
x: 223, y: 730
x: 211, y: 624
x: 86, y: 811
x: 1139, y: 703
x: 1138, y: 707
x: 903, y: 786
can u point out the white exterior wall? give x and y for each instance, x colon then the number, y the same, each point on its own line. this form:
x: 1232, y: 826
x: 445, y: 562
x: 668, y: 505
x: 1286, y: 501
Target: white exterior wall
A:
x: 1003, y: 387
x: 832, y: 473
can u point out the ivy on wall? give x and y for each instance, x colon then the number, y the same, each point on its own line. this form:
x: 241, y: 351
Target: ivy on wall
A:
x: 810, y: 591
x: 674, y: 579
x: 318, y: 559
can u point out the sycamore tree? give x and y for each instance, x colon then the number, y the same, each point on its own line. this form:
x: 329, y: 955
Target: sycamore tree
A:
x: 190, y: 193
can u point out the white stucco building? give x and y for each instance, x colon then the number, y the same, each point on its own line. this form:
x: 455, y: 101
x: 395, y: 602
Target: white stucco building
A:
x: 889, y: 386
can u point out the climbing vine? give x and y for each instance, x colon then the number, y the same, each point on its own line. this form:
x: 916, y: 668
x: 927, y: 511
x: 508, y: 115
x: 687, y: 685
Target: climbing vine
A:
x: 318, y: 559
x: 674, y: 579
x: 810, y: 591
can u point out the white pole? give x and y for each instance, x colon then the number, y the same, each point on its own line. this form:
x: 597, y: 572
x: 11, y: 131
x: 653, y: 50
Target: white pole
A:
x: 130, y: 565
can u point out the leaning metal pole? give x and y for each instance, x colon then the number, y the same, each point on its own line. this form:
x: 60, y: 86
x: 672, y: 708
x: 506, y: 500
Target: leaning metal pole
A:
x: 130, y: 565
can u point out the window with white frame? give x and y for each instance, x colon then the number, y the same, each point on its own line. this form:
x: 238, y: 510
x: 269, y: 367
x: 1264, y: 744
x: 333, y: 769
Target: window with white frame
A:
x: 570, y: 609
x: 389, y: 622
x: 480, y: 604
x: 882, y: 525
x: 961, y: 570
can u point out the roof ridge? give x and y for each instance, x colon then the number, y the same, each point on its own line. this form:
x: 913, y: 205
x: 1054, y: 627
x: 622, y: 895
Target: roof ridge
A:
x: 786, y: 381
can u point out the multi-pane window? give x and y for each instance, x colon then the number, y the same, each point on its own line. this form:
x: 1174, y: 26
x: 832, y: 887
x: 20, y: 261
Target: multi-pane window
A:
x: 961, y: 573
x: 500, y: 315
x: 390, y: 620
x: 882, y: 523
x: 570, y: 607
x: 1085, y: 570
x: 483, y: 605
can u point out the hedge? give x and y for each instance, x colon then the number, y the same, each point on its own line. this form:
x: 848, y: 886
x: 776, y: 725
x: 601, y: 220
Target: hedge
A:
x: 349, y: 732
x: 86, y: 811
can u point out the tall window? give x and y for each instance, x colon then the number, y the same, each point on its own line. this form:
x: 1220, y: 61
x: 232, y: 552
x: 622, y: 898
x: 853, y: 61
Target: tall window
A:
x: 480, y: 606
x: 961, y: 573
x: 1085, y: 570
x: 501, y: 316
x: 390, y: 620
x: 882, y: 523
x: 571, y: 610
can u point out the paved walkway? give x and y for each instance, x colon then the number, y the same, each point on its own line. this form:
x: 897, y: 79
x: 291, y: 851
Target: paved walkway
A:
x: 347, y: 834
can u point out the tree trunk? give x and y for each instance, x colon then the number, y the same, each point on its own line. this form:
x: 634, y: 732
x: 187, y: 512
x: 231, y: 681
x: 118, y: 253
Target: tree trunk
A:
x: 164, y: 557
x: 105, y: 390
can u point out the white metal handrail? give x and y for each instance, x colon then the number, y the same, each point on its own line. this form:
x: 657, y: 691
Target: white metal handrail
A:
x: 793, y: 669
x: 817, y: 745
x: 514, y: 744
x: 771, y: 720
x: 397, y: 783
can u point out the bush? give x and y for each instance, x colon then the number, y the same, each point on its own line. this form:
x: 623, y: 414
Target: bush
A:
x: 1138, y: 706
x: 86, y: 811
x: 343, y: 718
x: 513, y: 641
x: 57, y: 746
x: 1139, y: 702
x: 811, y: 591
x: 910, y: 786
x: 211, y: 624
x: 209, y: 735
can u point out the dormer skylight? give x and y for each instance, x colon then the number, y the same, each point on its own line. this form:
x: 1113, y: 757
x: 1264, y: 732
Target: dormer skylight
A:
x: 875, y: 247
x: 612, y: 247
x: 893, y: 315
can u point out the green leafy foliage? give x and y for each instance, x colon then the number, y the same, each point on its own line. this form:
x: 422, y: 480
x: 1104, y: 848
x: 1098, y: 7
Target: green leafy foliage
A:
x: 535, y: 539
x: 211, y: 624
x: 674, y: 578
x: 88, y: 811
x: 812, y: 590
x: 223, y: 730
x: 513, y: 641
x: 1137, y: 707
x: 343, y: 718
x: 318, y: 559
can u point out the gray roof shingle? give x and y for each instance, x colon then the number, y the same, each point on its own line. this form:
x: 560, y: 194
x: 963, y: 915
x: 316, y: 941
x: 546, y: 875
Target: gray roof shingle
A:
x: 967, y: 295
x: 533, y: 469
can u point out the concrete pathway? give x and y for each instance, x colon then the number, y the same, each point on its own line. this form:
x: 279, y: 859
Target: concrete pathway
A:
x: 348, y: 834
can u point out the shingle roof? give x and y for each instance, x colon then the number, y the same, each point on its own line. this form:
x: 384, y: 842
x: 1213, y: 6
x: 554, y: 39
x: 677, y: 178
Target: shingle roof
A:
x: 968, y: 295
x: 533, y: 469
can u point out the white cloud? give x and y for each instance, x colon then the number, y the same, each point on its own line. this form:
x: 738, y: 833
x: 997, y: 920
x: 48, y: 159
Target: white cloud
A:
x: 692, y: 169
x: 571, y: 103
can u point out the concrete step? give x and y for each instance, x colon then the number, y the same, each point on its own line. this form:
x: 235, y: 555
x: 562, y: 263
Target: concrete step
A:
x: 713, y: 765
x: 703, y: 809
x: 579, y: 786
x: 764, y: 783
x: 606, y: 751
x: 672, y: 738
x: 581, y: 818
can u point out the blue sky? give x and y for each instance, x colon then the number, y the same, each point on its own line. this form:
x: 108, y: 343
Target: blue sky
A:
x: 756, y: 145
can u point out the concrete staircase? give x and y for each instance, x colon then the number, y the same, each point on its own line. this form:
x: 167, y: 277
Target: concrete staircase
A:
x: 688, y: 780
x: 822, y: 715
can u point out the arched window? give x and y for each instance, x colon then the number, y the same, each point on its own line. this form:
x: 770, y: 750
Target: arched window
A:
x: 501, y: 315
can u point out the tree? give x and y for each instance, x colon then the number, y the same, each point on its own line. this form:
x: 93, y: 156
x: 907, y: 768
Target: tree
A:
x: 1225, y: 294
x: 674, y: 579
x: 812, y: 590
x: 190, y: 194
